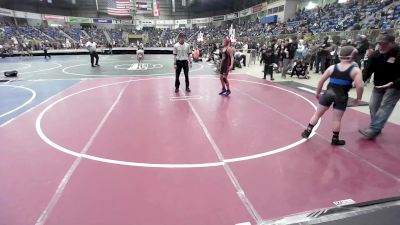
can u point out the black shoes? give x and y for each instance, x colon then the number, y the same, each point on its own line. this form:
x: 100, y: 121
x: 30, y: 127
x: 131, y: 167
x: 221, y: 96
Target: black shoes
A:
x: 225, y: 92
x: 306, y: 133
x: 338, y: 142
x: 187, y: 90
x: 222, y: 92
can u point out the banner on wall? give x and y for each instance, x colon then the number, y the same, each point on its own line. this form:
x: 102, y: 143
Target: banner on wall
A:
x: 73, y: 19
x: 143, y: 7
x: 264, y: 6
x: 256, y: 8
x: 269, y: 19
x: 6, y: 12
x: 54, y: 18
x: 35, y: 16
x: 168, y: 22
x: 218, y: 18
x: 98, y: 20
x: 127, y: 22
x: 201, y: 20
x: 27, y: 15
x: 147, y: 23
x: 245, y: 12
x: 231, y: 16
x: 135, y: 36
x: 180, y: 21
x: 123, y: 22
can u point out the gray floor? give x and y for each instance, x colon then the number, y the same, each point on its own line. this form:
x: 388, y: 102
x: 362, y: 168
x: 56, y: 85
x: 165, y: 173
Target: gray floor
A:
x: 256, y: 71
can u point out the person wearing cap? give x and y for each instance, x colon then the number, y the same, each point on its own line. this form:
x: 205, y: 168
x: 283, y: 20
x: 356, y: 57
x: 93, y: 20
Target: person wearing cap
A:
x: 182, y: 59
x: 341, y: 77
x: 385, y: 65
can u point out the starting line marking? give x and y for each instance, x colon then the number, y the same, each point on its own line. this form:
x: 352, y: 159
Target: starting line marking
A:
x: 185, y: 98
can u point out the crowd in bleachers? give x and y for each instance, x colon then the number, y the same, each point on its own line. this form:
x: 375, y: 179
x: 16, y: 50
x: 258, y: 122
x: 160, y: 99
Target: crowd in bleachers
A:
x: 97, y: 35
x: 368, y: 14
x: 335, y: 16
x: 74, y: 33
x: 384, y: 19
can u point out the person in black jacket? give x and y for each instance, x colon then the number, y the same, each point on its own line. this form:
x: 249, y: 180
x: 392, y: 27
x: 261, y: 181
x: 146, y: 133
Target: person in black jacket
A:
x: 45, y: 47
x: 385, y: 65
x: 322, y: 55
x: 278, y: 54
x: 362, y: 47
x: 288, y: 55
x: 268, y: 58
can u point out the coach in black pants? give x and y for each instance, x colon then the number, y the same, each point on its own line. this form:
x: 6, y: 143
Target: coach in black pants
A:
x: 182, y: 59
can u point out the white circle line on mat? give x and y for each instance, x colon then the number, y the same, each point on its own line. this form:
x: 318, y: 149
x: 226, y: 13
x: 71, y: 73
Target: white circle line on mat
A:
x: 23, y: 104
x: 42, y: 135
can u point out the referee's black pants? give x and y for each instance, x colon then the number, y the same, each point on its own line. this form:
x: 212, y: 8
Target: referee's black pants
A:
x: 182, y: 64
x: 92, y: 56
x: 46, y: 54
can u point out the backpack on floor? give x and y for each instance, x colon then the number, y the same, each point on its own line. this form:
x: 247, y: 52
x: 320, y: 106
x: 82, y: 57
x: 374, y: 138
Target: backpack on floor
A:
x: 13, y: 73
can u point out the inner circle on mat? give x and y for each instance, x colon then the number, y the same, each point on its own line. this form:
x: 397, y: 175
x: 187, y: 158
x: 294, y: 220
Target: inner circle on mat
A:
x: 161, y: 165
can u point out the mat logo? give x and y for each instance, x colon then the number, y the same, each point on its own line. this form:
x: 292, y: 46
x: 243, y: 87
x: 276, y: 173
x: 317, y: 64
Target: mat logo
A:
x: 136, y: 66
x: 344, y: 202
